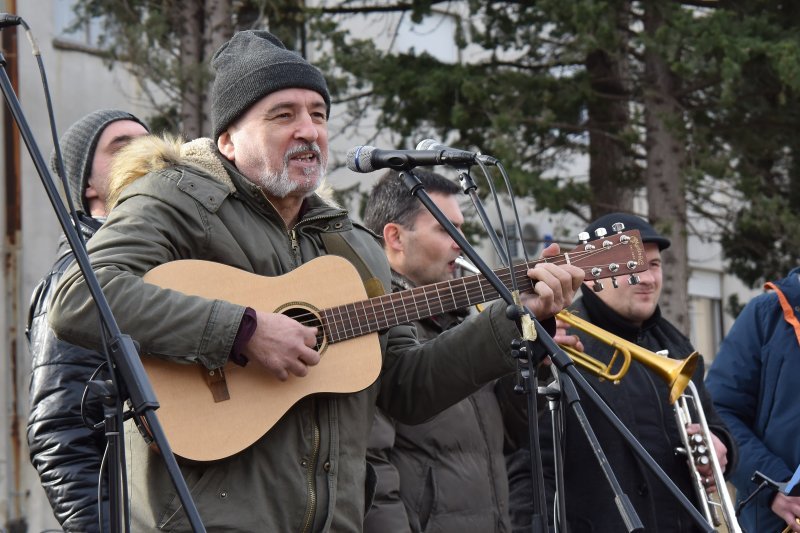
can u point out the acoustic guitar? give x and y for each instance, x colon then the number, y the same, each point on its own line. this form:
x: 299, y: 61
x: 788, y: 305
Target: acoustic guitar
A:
x: 212, y: 414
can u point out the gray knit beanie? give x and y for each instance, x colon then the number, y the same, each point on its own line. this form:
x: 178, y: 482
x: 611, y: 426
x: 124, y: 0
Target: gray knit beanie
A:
x: 253, y: 64
x: 78, y: 144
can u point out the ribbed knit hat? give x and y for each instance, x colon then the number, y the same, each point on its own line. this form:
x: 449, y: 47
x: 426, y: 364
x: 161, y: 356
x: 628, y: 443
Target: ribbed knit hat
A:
x: 78, y: 144
x: 251, y: 65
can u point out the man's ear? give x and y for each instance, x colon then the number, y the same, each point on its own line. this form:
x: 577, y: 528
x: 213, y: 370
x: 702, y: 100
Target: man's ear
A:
x: 90, y: 192
x: 225, y: 145
x: 393, y: 237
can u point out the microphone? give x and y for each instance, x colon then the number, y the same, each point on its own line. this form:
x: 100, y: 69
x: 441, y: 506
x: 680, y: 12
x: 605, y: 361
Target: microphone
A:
x: 431, y: 144
x: 7, y: 20
x: 369, y: 158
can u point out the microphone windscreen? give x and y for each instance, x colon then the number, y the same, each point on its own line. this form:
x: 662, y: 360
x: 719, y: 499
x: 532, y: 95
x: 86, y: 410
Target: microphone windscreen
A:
x: 427, y: 144
x: 359, y: 158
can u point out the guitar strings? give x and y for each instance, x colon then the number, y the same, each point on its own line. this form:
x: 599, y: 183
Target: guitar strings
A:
x: 347, y: 321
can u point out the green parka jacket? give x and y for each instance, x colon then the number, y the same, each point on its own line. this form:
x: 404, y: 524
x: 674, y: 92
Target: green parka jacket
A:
x: 309, y: 472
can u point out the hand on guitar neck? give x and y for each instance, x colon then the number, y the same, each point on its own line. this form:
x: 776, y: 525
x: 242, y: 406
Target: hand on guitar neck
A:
x: 554, y: 285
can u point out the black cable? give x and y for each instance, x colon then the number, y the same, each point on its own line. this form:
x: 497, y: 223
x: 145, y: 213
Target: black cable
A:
x: 85, y: 398
x: 51, y: 116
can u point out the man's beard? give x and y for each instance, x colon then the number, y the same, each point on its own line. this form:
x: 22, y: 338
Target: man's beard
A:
x: 278, y: 184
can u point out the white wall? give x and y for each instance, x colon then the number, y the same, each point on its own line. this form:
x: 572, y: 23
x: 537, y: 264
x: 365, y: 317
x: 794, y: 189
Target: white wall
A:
x: 79, y: 84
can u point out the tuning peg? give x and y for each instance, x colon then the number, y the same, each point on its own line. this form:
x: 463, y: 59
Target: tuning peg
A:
x: 618, y: 227
x: 584, y: 238
x: 597, y: 286
x: 600, y: 232
x: 633, y: 279
x: 614, y: 282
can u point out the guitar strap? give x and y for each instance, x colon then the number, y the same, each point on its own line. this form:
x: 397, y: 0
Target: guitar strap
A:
x: 336, y: 244
x: 788, y: 312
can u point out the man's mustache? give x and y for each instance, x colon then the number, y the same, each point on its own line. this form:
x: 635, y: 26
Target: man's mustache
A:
x: 309, y: 147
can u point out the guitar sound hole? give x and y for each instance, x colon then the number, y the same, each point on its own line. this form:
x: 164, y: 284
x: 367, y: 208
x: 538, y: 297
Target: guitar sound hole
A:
x: 308, y: 317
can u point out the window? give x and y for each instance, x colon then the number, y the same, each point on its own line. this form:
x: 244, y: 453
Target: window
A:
x: 87, y: 37
x: 434, y: 35
x: 706, y: 323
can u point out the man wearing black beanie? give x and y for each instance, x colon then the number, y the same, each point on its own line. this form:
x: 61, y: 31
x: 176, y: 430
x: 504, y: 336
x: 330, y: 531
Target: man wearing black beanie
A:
x: 247, y: 199
x: 66, y: 453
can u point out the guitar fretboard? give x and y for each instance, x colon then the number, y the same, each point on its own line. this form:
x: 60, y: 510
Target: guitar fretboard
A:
x: 359, y: 318
x: 617, y: 255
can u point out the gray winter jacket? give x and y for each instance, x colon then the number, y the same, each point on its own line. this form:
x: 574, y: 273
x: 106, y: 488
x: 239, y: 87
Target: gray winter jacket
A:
x: 446, y: 474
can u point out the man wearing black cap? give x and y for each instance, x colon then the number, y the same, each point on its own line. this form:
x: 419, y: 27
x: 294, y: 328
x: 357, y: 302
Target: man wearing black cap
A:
x: 65, y: 452
x: 640, y: 400
x: 246, y: 198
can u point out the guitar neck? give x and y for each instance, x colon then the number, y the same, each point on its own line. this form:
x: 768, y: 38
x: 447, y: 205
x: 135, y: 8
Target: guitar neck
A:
x: 611, y: 256
x: 367, y: 316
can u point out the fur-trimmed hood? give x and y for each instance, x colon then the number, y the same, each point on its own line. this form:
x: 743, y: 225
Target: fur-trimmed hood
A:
x: 152, y: 153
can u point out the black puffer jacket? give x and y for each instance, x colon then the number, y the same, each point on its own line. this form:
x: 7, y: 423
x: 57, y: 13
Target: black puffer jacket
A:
x: 64, y: 451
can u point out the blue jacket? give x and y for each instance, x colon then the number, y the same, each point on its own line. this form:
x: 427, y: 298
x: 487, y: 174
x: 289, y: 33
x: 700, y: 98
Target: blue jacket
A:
x: 754, y: 383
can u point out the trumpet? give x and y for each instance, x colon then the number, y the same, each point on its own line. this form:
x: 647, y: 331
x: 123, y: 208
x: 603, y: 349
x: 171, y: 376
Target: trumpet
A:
x: 699, y: 450
x: 677, y: 373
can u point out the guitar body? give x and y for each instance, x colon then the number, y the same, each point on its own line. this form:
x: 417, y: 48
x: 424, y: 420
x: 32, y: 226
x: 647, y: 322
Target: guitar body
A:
x: 203, y: 429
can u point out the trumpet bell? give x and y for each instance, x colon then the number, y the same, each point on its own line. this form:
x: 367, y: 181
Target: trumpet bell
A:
x: 677, y: 373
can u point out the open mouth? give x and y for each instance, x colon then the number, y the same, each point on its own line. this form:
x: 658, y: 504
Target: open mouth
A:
x: 305, y: 157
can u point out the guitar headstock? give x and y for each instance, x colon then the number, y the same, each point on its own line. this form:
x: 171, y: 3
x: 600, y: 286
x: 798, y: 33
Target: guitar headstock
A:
x: 609, y: 256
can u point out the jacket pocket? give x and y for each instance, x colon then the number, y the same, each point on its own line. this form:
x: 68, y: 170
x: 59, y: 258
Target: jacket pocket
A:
x: 173, y: 517
x: 426, y: 502
x: 370, y: 487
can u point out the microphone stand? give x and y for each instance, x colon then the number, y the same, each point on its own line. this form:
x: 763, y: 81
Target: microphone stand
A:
x: 542, y: 344
x: 527, y: 380
x: 127, y: 366
x: 469, y: 187
x: 526, y: 370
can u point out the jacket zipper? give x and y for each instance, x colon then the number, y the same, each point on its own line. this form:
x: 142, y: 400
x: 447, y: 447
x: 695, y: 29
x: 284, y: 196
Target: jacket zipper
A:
x: 308, y: 520
x: 295, y: 246
x: 292, y: 233
x: 488, y: 452
x: 310, y: 467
